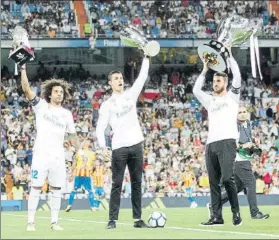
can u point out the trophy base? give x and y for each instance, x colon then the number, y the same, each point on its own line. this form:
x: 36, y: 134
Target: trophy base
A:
x: 216, y: 53
x: 22, y: 55
x: 152, y: 48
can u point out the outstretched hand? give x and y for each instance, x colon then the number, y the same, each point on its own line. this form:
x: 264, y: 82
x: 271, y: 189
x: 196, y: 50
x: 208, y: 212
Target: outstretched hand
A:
x: 205, y: 65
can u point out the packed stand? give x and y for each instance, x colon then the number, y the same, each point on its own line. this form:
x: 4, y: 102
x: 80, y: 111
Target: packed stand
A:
x: 171, y: 19
x: 174, y: 124
x: 39, y: 18
x: 176, y: 19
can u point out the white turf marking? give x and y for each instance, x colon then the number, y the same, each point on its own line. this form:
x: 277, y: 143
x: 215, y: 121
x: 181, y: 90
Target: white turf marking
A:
x: 175, y: 228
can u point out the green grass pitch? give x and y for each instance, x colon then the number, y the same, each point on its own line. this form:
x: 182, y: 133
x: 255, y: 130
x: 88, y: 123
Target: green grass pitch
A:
x: 182, y: 223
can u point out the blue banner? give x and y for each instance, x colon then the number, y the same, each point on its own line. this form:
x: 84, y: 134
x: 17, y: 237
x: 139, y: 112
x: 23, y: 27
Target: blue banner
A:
x: 167, y: 43
x: 101, y: 43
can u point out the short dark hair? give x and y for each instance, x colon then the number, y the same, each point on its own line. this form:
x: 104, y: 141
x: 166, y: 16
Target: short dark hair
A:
x: 113, y: 72
x: 48, y: 85
x: 221, y: 74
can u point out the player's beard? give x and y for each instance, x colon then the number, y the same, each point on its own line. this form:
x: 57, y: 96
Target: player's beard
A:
x: 220, y: 90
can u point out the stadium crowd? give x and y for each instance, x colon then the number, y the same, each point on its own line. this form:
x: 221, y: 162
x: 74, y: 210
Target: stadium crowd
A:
x: 176, y: 19
x: 173, y: 122
x: 40, y: 19
x: 172, y: 19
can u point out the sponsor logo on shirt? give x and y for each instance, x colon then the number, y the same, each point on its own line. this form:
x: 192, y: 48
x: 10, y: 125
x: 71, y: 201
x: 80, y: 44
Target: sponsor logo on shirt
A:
x: 126, y: 110
x: 54, y: 121
x: 219, y: 107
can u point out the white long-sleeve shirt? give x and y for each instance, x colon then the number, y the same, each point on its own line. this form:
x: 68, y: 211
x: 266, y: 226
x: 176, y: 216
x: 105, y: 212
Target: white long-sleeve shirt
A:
x: 120, y: 112
x: 222, y: 110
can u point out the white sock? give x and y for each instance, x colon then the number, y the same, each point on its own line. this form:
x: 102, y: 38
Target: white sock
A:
x: 33, y: 202
x: 136, y: 220
x: 55, y: 204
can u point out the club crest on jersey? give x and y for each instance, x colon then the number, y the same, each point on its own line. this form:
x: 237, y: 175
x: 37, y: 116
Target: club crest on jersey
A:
x: 125, y: 106
x: 113, y: 101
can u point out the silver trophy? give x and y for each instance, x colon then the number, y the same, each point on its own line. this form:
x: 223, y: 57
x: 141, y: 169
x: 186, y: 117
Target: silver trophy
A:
x: 234, y: 31
x: 22, y: 51
x: 133, y: 37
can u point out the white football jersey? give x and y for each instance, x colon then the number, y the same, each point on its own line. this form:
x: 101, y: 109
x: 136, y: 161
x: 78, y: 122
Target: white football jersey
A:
x: 222, y: 115
x: 52, y: 123
x: 222, y: 110
x: 120, y: 112
x: 123, y: 119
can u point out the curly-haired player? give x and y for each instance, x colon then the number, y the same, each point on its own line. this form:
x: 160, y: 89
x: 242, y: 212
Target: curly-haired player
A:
x: 52, y: 123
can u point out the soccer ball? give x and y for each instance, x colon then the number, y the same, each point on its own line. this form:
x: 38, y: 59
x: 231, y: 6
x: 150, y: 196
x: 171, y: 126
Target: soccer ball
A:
x: 157, y: 219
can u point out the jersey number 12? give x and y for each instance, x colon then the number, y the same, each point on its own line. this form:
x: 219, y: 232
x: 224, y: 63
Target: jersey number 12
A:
x: 34, y: 174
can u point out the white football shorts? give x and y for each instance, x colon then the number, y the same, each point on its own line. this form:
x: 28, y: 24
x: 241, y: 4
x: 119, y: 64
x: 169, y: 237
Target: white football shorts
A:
x: 48, y: 167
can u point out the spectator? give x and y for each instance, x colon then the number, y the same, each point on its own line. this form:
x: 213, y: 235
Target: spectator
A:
x: 9, y: 183
x: 29, y: 154
x: 17, y: 191
x: 25, y: 11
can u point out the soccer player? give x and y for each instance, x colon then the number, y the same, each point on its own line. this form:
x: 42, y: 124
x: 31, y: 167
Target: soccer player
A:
x: 98, y: 181
x: 188, y: 179
x: 244, y: 176
x: 52, y: 123
x: 83, y: 167
x: 222, y: 108
x: 120, y: 112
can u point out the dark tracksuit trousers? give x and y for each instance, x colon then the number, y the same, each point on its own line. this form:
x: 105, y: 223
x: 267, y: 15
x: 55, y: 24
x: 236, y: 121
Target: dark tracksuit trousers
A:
x: 133, y: 157
x: 245, y: 180
x: 220, y: 162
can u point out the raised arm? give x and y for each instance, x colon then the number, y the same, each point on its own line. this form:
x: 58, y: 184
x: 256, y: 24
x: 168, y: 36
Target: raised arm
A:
x: 140, y: 81
x: 203, y: 97
x: 25, y: 84
x: 236, y: 82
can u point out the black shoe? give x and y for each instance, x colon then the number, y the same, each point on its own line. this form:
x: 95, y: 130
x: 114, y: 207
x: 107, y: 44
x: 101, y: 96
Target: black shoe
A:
x: 260, y: 215
x: 140, y: 224
x: 237, y: 220
x: 213, y: 222
x: 111, y: 224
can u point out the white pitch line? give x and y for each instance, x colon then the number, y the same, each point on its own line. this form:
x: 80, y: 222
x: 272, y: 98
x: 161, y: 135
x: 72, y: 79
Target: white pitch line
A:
x: 175, y: 228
